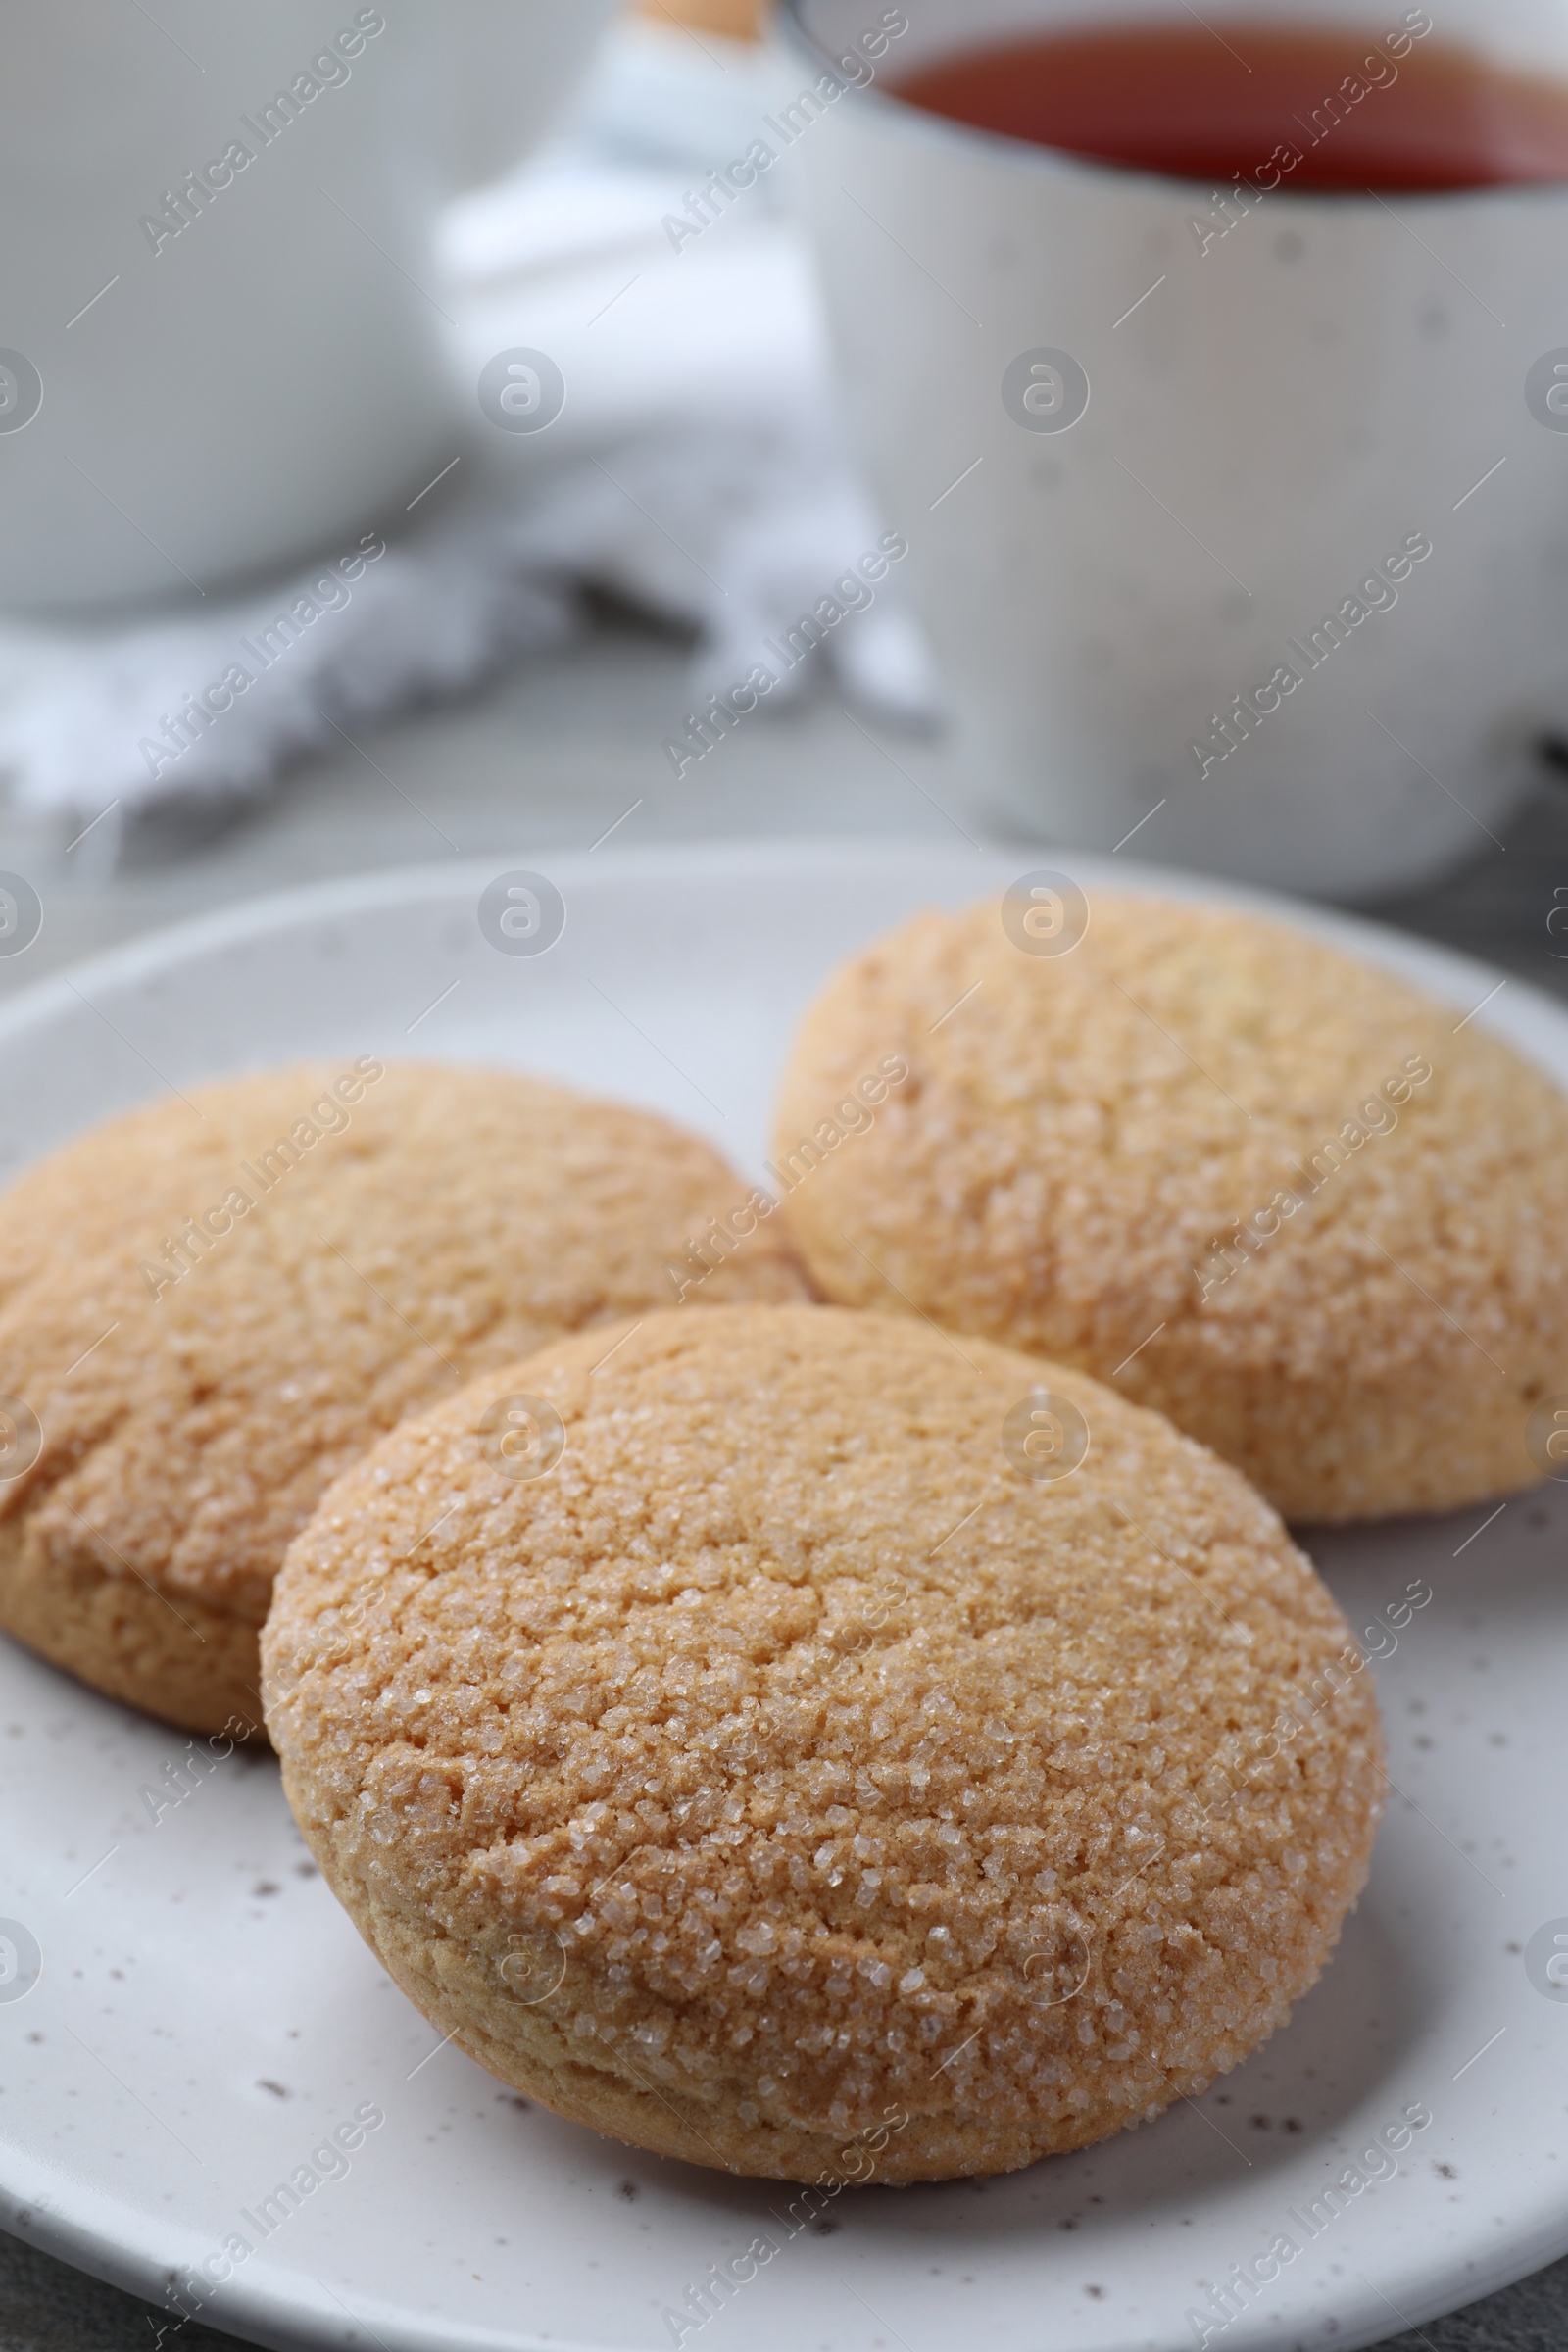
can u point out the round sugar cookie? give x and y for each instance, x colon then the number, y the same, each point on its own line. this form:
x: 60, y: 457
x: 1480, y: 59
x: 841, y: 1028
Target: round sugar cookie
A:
x: 210, y: 1306
x: 850, y: 1757
x: 1317, y: 1217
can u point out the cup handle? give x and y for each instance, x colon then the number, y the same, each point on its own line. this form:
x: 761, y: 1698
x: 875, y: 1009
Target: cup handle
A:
x: 513, y: 65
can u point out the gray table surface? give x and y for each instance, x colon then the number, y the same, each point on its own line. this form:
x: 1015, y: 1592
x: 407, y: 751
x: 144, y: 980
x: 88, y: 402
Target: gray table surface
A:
x: 546, y: 759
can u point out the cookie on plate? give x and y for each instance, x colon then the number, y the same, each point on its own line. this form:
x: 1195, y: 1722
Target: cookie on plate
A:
x: 211, y: 1307
x: 852, y: 1756
x: 1317, y: 1217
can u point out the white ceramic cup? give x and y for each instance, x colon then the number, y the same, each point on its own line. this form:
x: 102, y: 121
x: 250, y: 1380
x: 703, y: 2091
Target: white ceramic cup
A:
x: 1166, y: 467
x: 221, y: 327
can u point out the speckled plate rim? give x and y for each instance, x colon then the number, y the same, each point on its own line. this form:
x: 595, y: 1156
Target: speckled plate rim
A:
x: 936, y: 876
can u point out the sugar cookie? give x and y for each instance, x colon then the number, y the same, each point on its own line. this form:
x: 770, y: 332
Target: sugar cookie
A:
x: 853, y: 1755
x: 1312, y: 1214
x: 208, y: 1308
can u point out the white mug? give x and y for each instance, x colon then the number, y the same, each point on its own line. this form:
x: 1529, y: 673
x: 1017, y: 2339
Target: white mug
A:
x: 221, y: 328
x: 1240, y: 527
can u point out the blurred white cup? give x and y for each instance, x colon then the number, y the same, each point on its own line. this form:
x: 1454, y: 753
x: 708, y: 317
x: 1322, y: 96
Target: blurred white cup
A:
x: 1141, y: 472
x: 221, y: 328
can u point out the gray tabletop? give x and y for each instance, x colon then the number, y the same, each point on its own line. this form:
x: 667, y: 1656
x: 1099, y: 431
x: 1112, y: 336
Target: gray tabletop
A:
x: 548, y: 757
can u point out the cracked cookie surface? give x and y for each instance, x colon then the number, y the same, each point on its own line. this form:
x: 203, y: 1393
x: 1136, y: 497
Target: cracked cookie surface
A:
x: 210, y: 1306
x: 791, y: 1771
x: 1317, y: 1217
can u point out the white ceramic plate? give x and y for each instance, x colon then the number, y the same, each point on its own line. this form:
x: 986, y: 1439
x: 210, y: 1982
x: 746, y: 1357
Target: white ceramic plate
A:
x: 206, y: 2015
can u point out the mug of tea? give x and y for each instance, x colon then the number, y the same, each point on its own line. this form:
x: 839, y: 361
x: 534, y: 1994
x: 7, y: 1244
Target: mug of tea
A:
x: 220, y: 330
x: 1216, y: 371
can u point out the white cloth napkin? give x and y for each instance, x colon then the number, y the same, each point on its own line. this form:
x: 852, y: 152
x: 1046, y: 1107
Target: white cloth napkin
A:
x: 698, y: 470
